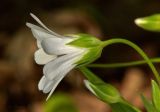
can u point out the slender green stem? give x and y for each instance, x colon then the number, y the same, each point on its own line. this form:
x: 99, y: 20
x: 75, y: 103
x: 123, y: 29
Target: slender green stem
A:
x: 123, y: 64
x: 138, y: 49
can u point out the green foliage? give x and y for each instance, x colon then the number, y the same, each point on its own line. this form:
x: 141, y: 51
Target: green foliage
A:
x: 154, y: 105
x: 60, y: 103
x: 151, y: 23
x: 107, y: 93
x: 156, y: 95
x: 123, y: 106
x: 148, y: 105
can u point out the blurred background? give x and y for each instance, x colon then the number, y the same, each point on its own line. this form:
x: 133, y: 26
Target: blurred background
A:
x: 105, y: 19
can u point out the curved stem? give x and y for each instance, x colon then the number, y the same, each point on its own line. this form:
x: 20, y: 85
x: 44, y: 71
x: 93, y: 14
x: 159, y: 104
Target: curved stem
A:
x: 123, y: 64
x: 138, y: 49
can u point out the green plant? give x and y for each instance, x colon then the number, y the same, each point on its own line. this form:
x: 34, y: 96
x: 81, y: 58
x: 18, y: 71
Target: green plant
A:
x: 60, y: 54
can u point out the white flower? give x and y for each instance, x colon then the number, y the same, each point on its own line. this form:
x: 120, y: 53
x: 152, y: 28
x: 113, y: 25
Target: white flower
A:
x: 60, y: 54
x: 58, y: 57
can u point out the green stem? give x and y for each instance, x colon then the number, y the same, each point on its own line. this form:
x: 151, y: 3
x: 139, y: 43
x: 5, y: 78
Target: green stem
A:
x: 123, y: 64
x: 138, y: 49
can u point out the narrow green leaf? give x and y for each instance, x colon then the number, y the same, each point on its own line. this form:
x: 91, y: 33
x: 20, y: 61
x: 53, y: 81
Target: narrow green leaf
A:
x: 151, y: 23
x: 148, y: 105
x: 156, y: 95
x: 123, y: 107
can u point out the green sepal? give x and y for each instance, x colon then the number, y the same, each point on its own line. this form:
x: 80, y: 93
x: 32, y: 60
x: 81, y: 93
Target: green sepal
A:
x: 91, y: 55
x: 91, y: 44
x: 151, y: 23
x: 84, y: 41
x: 156, y: 95
x: 148, y: 105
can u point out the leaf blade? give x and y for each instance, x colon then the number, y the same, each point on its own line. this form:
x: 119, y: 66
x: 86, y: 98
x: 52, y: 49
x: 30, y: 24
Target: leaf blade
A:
x: 156, y: 95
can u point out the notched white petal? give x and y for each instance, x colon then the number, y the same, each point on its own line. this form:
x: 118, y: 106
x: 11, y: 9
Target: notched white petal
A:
x: 32, y: 26
x: 45, y: 85
x: 48, y: 86
x: 58, y: 47
x: 41, y: 83
x: 40, y: 33
x: 57, y: 81
x: 39, y: 21
x: 59, y: 63
x: 42, y: 58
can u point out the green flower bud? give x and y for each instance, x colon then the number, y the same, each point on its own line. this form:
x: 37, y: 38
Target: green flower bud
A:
x: 151, y: 23
x: 105, y: 92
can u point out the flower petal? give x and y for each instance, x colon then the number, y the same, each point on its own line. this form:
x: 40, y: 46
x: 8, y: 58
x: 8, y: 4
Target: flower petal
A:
x: 45, y: 85
x: 39, y: 21
x: 42, y: 58
x: 52, y: 83
x: 58, y: 79
x: 59, y: 65
x: 42, y: 83
x: 54, y: 86
x: 40, y: 33
x: 39, y: 44
x: 52, y: 46
x: 48, y: 86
